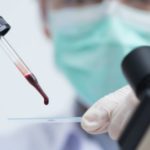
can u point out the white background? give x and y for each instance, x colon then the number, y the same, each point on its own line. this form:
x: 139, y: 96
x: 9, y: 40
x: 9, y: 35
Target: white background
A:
x: 17, y: 97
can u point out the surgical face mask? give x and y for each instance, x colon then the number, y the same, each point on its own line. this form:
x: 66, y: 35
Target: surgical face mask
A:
x: 91, y: 42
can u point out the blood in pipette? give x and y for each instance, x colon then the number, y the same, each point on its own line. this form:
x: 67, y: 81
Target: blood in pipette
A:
x: 33, y: 81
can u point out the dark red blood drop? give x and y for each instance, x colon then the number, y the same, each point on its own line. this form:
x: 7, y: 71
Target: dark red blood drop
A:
x: 33, y: 81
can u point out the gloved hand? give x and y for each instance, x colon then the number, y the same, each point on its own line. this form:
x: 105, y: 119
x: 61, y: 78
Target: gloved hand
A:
x: 111, y: 113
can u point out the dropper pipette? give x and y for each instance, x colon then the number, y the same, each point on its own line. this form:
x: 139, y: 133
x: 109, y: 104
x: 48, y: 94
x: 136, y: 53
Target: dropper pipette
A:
x: 17, y: 60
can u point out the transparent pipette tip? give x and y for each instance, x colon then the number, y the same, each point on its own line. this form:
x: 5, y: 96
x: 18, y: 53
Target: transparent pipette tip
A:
x: 47, y: 120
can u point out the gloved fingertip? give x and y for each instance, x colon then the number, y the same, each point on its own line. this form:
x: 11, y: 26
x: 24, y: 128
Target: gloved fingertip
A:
x: 94, y: 120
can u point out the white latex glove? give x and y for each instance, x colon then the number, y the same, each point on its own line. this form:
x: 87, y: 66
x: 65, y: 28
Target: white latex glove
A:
x: 111, y: 113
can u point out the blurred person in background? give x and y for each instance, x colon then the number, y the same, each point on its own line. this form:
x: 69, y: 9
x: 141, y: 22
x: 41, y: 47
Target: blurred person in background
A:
x: 90, y: 38
x: 112, y: 112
